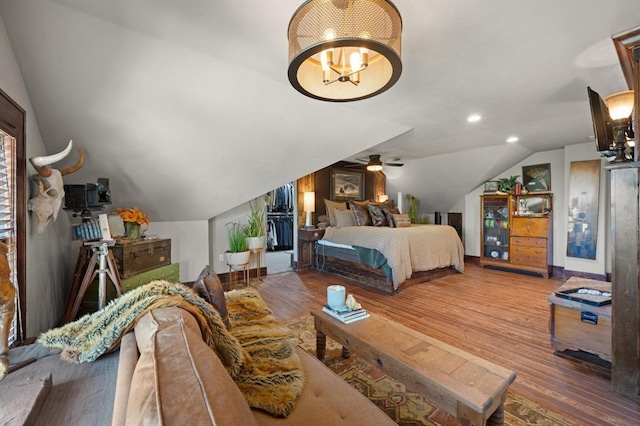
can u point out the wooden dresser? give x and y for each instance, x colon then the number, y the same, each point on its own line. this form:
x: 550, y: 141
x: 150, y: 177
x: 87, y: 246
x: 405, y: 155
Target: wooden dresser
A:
x: 529, y: 244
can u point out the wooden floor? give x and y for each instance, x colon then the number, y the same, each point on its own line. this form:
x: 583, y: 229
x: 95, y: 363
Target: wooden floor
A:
x: 500, y: 316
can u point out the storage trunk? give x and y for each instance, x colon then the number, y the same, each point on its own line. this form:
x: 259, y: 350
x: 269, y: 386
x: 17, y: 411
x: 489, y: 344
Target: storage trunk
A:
x: 169, y: 273
x: 141, y: 256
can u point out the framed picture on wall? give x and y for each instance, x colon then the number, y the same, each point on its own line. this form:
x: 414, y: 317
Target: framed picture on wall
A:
x: 537, y: 178
x: 491, y: 186
x: 347, y: 184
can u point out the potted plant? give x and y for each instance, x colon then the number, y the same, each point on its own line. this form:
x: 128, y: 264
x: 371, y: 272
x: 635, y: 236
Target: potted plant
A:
x: 238, y: 253
x: 255, y: 229
x: 413, y: 208
x: 508, y: 185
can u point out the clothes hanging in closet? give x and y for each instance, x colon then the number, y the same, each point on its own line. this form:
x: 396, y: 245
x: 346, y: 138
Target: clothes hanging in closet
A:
x: 280, y: 233
x: 282, y: 198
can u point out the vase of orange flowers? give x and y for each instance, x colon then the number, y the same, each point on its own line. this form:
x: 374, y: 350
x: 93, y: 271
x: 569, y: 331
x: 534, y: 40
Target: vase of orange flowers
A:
x: 133, y: 219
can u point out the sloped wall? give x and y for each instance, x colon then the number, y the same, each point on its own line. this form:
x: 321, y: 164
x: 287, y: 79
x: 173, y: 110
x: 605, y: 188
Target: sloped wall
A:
x: 50, y: 257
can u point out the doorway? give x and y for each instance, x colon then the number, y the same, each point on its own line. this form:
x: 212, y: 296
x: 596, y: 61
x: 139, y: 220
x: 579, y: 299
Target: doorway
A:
x: 280, y: 229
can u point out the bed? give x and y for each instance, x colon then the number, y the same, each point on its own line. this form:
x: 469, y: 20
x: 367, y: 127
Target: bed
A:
x: 389, y: 259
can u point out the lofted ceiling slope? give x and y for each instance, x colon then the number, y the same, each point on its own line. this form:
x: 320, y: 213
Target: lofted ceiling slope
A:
x: 186, y: 106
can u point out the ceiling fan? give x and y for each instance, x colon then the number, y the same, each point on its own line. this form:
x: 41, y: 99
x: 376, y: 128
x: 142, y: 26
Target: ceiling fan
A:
x: 374, y: 163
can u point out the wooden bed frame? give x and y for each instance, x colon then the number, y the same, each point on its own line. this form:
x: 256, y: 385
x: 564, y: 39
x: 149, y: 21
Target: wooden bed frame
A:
x: 375, y: 279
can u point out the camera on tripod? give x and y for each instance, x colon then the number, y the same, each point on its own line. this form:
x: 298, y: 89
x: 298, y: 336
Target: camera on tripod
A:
x: 88, y: 196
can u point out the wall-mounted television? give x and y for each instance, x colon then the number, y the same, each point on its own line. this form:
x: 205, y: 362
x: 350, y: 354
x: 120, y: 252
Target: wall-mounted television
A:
x: 602, y: 127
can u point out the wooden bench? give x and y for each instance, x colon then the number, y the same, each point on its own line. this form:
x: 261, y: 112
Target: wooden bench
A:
x: 466, y: 386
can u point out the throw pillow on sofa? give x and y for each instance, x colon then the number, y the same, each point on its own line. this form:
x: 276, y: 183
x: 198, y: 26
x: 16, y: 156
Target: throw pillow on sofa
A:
x: 209, y: 287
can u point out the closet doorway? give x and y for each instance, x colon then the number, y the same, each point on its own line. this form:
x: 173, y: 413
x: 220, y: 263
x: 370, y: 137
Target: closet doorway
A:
x: 280, y: 229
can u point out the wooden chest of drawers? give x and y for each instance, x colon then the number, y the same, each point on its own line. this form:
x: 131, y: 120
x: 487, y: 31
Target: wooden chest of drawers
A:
x: 529, y: 244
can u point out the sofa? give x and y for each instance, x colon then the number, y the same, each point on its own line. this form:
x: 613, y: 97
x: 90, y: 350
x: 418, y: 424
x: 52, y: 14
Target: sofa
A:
x: 168, y: 375
x: 173, y: 354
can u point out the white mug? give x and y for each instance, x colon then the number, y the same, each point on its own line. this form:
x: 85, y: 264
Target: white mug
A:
x: 336, y: 296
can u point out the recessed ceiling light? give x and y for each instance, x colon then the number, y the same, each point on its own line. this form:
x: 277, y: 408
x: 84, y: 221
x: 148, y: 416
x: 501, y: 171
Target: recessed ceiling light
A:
x: 512, y: 139
x: 473, y: 118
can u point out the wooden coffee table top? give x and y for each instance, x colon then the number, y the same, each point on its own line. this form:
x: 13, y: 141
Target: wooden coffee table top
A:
x: 461, y: 383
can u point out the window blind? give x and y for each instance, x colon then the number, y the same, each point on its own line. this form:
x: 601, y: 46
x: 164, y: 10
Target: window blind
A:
x: 8, y: 215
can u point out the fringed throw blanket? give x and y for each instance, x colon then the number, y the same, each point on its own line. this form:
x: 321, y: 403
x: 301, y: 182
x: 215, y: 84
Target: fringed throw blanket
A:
x: 258, y: 352
x: 85, y: 339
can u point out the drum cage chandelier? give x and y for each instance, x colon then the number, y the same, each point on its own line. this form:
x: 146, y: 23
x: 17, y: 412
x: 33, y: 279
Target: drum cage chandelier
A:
x: 344, y: 50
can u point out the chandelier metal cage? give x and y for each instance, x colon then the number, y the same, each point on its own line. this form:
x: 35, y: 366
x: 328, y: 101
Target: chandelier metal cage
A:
x: 345, y: 50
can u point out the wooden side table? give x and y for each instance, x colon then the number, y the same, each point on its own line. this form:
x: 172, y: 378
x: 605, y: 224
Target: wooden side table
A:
x: 306, y: 247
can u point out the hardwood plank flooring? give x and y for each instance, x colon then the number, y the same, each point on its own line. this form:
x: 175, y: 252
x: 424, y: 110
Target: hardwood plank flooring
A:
x: 500, y: 316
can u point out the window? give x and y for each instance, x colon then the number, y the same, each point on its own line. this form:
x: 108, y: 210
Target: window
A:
x: 8, y: 215
x: 13, y: 203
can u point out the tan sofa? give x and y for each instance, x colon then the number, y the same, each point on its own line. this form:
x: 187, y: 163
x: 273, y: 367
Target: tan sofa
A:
x: 168, y: 375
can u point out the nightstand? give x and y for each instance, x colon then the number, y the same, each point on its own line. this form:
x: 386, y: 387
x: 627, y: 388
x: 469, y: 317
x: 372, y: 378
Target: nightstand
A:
x: 306, y: 247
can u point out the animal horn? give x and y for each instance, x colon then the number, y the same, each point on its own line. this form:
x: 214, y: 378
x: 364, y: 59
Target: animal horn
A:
x: 41, y: 164
x: 75, y: 167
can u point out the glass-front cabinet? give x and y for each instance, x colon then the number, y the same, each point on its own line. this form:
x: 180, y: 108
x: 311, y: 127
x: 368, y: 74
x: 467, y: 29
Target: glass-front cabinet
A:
x: 494, y: 210
x: 516, y: 233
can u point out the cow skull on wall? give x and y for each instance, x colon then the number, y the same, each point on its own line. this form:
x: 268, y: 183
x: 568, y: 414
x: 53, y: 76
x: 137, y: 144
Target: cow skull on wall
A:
x: 48, y: 201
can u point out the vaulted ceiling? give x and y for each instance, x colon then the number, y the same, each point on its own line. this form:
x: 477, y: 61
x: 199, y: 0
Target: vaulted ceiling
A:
x: 186, y: 106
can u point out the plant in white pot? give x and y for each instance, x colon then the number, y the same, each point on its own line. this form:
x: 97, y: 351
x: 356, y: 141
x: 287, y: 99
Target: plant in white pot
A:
x: 238, y: 254
x: 255, y: 229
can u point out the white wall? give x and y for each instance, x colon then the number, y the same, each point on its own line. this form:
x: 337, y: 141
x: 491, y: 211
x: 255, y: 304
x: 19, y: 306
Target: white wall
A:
x: 189, y: 245
x: 560, y: 161
x: 50, y: 258
x: 218, y: 236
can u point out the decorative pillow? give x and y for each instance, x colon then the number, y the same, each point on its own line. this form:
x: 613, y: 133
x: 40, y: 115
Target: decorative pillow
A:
x: 209, y: 287
x: 361, y: 212
x: 345, y: 218
x: 402, y: 220
x: 331, y: 207
x: 388, y: 213
x: 377, y: 214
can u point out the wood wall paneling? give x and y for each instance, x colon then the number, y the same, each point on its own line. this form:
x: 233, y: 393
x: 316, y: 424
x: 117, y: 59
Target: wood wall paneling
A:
x: 374, y: 185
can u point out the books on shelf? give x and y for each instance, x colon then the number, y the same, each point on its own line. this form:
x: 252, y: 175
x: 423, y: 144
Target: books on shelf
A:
x: 345, y: 315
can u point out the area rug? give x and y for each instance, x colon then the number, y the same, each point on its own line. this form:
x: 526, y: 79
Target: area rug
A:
x: 403, y: 406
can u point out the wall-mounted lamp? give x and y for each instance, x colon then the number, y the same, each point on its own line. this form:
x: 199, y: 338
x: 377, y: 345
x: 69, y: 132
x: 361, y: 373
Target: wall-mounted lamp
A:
x: 620, y: 106
x: 309, y: 207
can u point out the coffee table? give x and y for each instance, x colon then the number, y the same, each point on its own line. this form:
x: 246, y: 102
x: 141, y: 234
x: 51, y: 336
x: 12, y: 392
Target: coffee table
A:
x: 466, y: 386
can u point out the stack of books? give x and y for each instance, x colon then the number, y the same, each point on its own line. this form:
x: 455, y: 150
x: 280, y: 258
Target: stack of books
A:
x: 345, y: 315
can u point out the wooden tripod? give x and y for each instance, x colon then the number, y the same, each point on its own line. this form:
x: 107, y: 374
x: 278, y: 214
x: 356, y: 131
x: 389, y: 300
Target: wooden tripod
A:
x: 101, y: 263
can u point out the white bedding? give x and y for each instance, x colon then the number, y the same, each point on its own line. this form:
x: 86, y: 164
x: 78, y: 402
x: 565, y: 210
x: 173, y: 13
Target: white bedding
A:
x: 414, y: 248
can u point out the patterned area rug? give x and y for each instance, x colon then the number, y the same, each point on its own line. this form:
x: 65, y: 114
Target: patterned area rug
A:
x: 405, y: 407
